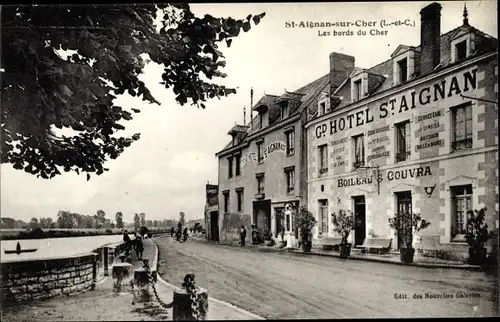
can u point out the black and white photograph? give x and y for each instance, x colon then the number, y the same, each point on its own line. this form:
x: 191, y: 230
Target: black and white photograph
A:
x: 249, y: 161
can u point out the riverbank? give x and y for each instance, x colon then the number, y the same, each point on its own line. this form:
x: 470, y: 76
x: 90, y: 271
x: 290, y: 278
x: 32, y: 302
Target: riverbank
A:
x: 23, y: 234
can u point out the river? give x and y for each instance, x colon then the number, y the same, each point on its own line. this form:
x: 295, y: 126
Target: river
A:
x: 50, y: 248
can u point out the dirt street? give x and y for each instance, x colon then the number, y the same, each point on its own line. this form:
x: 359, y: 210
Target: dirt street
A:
x: 286, y: 285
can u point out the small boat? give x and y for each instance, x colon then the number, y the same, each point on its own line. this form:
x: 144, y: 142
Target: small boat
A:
x: 18, y: 250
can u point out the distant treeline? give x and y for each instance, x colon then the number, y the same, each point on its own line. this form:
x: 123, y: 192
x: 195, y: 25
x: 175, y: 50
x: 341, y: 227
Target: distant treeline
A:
x: 39, y: 233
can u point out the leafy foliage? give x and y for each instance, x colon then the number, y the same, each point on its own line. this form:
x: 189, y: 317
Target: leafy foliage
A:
x: 42, y: 91
x: 406, y: 224
x: 305, y: 220
x: 477, y: 231
x: 119, y: 220
x: 343, y: 223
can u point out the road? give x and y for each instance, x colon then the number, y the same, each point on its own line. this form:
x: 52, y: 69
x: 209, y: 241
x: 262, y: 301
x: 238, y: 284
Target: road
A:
x: 286, y: 285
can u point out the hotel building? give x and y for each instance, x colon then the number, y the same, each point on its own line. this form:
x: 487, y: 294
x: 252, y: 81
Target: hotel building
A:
x: 418, y: 133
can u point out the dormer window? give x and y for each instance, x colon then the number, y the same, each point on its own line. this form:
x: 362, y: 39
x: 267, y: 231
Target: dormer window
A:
x: 403, y: 64
x: 403, y: 70
x: 261, y: 119
x: 461, y: 50
x: 462, y: 45
x: 323, y: 104
x: 284, y: 111
x: 359, y: 85
x: 357, y: 90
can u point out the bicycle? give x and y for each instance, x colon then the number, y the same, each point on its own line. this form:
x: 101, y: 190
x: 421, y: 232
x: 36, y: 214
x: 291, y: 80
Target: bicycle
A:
x: 179, y: 237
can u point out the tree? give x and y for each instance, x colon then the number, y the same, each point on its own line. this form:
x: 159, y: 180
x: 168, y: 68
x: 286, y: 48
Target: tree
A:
x: 100, y: 218
x: 143, y: 219
x: 137, y: 221
x: 119, y: 220
x: 155, y: 223
x: 113, y: 225
x: 34, y: 223
x: 64, y: 219
x: 149, y: 223
x: 78, y: 92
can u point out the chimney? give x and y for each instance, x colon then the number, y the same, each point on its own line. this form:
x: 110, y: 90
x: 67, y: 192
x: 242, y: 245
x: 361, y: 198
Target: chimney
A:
x: 430, y: 38
x: 341, y: 66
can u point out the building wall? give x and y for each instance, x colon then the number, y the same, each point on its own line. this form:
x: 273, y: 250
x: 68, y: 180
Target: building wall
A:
x: 275, y: 187
x: 440, y: 166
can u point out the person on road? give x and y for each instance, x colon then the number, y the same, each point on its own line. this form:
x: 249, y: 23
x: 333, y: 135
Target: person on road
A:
x: 185, y: 233
x: 172, y: 232
x: 139, y: 247
x: 243, y: 235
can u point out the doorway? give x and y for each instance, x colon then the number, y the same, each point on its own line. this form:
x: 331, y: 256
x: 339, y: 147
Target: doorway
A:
x: 214, y: 225
x: 360, y: 220
x: 403, y: 202
x: 262, y: 214
x: 280, y: 220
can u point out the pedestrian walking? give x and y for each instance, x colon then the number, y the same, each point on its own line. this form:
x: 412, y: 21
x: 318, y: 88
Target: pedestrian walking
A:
x: 243, y: 235
x: 172, y: 232
x: 139, y: 247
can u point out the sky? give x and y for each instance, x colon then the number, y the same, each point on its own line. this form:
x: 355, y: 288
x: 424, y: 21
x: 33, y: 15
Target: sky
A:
x: 165, y: 172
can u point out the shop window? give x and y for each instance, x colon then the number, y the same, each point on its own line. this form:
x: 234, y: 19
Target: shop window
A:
x: 461, y: 197
x: 359, y: 150
x: 462, y: 127
x: 323, y: 216
x: 403, y: 142
x: 323, y: 158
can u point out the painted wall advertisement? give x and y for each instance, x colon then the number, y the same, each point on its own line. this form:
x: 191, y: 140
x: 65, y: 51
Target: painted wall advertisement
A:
x: 429, y: 125
x: 277, y: 146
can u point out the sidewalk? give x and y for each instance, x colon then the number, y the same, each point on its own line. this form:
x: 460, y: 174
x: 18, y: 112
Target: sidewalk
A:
x: 390, y: 258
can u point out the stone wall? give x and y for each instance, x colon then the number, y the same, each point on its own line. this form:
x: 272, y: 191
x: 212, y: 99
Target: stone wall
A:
x: 29, y: 280
x: 231, y: 225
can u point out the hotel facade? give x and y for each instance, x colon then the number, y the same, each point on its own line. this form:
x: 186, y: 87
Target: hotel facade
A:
x: 417, y: 133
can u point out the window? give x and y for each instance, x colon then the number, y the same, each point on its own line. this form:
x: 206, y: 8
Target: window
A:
x: 322, y: 108
x: 461, y: 50
x: 461, y: 204
x: 357, y: 90
x: 462, y: 127
x: 230, y: 167
x: 260, y: 151
x: 239, y: 194
x: 323, y: 158
x: 284, y: 111
x: 403, y: 143
x: 226, y: 201
x: 260, y: 183
x: 403, y: 70
x: 237, y: 160
x: 290, y: 179
x: 359, y: 150
x: 323, y: 216
x: 261, y: 119
x: 290, y: 142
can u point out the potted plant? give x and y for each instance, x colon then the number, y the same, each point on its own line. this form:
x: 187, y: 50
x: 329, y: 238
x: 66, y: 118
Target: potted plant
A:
x: 281, y: 239
x: 405, y: 224
x: 305, y: 221
x: 477, y: 235
x: 268, y: 240
x: 343, y: 224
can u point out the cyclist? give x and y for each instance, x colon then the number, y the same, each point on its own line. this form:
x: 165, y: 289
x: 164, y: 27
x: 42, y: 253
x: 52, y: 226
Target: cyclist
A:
x: 185, y: 233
